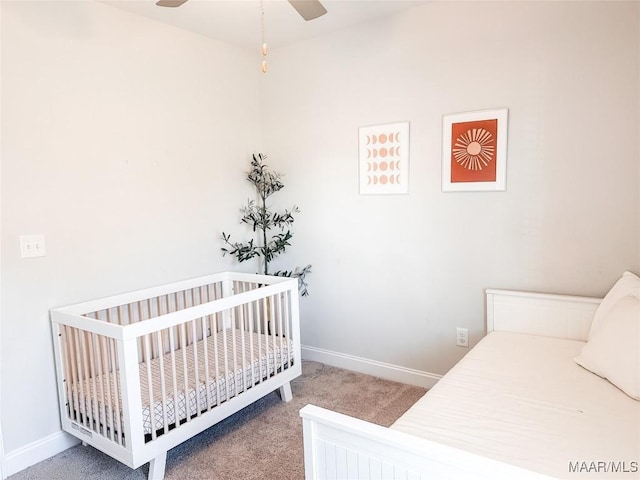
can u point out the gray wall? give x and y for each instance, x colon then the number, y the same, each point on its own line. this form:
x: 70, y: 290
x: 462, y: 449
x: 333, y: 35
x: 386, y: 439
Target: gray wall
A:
x: 122, y: 142
x: 394, y: 275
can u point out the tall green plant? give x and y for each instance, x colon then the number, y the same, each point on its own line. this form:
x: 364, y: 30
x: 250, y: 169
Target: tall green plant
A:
x: 262, y: 220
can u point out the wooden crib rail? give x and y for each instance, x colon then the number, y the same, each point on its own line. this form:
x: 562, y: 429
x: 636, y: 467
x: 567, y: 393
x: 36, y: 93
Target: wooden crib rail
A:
x: 144, y: 294
x: 218, y: 306
x: 76, y: 315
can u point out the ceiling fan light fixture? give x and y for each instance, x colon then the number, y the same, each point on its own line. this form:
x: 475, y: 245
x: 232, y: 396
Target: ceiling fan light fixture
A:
x: 308, y: 9
x: 265, y: 50
x: 170, y: 3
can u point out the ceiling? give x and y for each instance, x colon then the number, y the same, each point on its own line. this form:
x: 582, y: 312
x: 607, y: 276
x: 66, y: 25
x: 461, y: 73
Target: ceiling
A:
x: 238, y: 21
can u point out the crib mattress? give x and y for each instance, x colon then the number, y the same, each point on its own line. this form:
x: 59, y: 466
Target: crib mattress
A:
x: 250, y: 358
x: 521, y: 399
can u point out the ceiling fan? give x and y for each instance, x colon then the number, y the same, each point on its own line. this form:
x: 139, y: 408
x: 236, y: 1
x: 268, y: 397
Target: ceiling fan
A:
x: 308, y: 9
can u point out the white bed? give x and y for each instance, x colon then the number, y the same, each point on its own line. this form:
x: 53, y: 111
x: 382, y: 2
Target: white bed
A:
x: 516, y: 406
x: 506, y: 401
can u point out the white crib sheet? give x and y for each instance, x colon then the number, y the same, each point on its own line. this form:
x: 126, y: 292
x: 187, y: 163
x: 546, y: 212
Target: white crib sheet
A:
x: 266, y: 361
x: 522, y: 400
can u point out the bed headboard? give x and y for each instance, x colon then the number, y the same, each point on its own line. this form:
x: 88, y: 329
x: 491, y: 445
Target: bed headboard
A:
x: 551, y: 315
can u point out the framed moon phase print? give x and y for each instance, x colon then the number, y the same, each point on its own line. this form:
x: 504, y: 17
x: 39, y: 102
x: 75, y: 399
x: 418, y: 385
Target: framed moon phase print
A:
x: 384, y: 158
x: 474, y: 151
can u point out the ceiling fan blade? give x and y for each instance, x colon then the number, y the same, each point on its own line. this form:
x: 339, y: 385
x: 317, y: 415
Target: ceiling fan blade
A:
x: 308, y: 9
x: 170, y: 3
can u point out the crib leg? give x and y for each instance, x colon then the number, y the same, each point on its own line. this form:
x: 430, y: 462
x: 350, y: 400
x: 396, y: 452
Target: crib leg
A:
x: 285, y: 392
x: 156, y: 467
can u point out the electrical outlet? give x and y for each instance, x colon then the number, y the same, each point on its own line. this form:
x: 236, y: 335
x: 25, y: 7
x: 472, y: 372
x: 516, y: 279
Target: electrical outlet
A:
x: 32, y: 246
x: 462, y: 337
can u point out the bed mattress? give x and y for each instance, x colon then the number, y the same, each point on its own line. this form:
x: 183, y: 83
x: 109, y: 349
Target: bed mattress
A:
x: 521, y: 399
x: 255, y: 360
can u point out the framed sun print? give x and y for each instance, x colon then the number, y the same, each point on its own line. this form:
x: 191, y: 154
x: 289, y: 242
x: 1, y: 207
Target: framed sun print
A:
x: 474, y: 151
x: 384, y: 159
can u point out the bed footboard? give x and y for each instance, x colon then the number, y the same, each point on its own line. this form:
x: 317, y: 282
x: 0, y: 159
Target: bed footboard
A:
x: 337, y: 446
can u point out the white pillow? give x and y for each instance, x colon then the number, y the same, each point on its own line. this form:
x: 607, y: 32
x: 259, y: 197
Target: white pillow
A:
x: 614, y: 350
x: 628, y: 284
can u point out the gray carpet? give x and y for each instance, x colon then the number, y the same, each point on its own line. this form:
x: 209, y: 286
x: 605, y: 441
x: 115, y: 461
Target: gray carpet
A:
x: 263, y: 441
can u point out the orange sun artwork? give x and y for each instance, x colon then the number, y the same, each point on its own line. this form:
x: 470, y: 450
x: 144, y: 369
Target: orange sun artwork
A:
x: 474, y: 151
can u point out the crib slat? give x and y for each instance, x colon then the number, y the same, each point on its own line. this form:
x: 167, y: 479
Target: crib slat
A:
x: 280, y: 333
x: 163, y: 383
x: 159, y: 304
x: 251, y: 332
x: 86, y: 380
x: 80, y: 378
x: 216, y: 360
x: 205, y: 353
x: 225, y: 361
x: 68, y: 367
x: 273, y: 320
x: 265, y: 315
x: 109, y: 409
x: 95, y: 422
x: 196, y: 367
x: 102, y: 412
x: 71, y: 375
x: 66, y: 361
x: 287, y: 322
x: 148, y: 359
x: 143, y: 309
x: 185, y: 371
x: 234, y: 352
x: 242, y: 326
x: 173, y: 302
x: 206, y: 335
x: 281, y: 337
x: 116, y: 422
x: 174, y: 376
x: 259, y: 332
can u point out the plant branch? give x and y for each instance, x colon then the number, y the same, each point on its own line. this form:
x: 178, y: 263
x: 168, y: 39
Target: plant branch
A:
x: 262, y: 220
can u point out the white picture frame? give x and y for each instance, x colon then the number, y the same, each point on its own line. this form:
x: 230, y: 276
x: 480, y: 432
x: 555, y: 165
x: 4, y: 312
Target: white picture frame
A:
x: 384, y: 159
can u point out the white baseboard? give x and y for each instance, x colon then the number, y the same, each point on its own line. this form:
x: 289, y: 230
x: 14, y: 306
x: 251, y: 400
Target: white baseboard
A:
x: 371, y: 367
x: 38, y: 451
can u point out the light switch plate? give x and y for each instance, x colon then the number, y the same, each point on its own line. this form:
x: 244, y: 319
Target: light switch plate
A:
x: 32, y: 246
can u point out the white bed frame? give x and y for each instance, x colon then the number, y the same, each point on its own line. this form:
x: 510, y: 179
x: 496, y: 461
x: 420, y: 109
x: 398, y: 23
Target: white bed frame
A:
x: 108, y: 338
x: 337, y: 446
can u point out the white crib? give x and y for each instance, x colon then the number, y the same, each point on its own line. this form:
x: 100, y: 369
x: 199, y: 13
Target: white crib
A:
x: 142, y: 372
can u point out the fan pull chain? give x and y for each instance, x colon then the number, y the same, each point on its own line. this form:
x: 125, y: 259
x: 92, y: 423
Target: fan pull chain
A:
x: 264, y: 44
